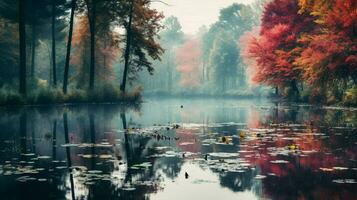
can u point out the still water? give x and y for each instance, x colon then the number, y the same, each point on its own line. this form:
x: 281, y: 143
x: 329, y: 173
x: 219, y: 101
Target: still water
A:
x: 167, y: 149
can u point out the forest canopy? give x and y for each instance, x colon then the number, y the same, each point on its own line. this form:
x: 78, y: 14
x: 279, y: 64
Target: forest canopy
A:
x: 108, y: 50
x: 306, y: 46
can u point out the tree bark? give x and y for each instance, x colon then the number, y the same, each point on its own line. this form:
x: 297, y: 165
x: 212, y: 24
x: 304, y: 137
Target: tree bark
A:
x: 22, y: 36
x: 69, y: 44
x: 295, y: 88
x: 33, y: 51
x: 127, y: 49
x: 92, y: 23
x: 54, y: 74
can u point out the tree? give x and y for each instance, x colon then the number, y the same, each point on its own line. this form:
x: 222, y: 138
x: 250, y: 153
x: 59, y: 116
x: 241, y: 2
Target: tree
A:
x: 128, y: 45
x: 172, y: 34
x: 224, y: 59
x: 170, y: 38
x: 330, y: 52
x: 142, y: 24
x: 22, y: 49
x: 13, y: 12
x: 69, y: 44
x: 274, y: 50
x: 188, y: 58
x: 9, y: 51
x: 53, y: 34
x: 91, y: 13
x: 37, y: 14
x: 233, y: 22
x: 166, y: 75
x: 107, y: 50
x: 58, y: 9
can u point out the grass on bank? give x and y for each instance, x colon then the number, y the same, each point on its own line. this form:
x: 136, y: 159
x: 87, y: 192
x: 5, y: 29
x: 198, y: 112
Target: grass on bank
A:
x: 47, y: 95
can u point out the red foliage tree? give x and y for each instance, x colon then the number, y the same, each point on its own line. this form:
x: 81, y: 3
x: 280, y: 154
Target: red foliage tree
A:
x: 331, y: 52
x: 188, y: 58
x: 274, y: 49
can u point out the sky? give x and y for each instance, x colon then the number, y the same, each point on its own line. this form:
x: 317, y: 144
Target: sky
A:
x: 192, y: 14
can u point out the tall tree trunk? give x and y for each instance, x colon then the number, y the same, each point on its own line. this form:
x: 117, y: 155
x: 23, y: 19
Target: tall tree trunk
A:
x: 295, y: 89
x: 33, y: 51
x: 54, y: 73
x: 127, y: 48
x: 92, y: 21
x: 22, y: 35
x: 69, y: 44
x: 203, y: 72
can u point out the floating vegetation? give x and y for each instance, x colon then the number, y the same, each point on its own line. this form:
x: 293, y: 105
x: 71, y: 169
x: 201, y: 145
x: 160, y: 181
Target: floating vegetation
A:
x: 43, y: 157
x: 345, y: 181
x: 260, y: 176
x: 340, y: 168
x: 223, y: 155
x: 144, y: 165
x: 279, y: 161
x: 232, y: 156
x: 202, y: 181
x: 69, y: 145
x: 105, y: 156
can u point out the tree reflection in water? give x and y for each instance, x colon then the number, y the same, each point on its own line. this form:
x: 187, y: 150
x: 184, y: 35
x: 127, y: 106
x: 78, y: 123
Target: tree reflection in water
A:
x: 116, y: 152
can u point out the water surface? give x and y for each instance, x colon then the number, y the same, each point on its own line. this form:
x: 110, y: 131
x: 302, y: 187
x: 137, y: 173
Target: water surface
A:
x: 178, y: 149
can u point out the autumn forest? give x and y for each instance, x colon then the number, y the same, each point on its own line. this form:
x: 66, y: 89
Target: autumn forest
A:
x: 83, y: 50
x: 178, y: 99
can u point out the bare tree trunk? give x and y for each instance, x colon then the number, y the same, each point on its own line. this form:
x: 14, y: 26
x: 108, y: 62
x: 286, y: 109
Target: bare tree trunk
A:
x: 92, y: 21
x: 69, y: 44
x: 54, y: 43
x: 295, y: 89
x: 127, y: 48
x: 33, y: 51
x: 22, y: 35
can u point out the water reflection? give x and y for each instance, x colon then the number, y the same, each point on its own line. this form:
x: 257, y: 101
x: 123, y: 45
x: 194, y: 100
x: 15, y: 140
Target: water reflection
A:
x: 229, y: 149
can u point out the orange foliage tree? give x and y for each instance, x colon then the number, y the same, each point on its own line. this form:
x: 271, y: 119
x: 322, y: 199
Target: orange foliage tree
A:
x: 331, y: 52
x: 107, y: 50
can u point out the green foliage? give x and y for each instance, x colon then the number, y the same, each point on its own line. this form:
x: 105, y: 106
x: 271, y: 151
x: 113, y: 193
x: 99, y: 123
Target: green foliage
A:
x: 224, y: 59
x: 9, y: 96
x: 220, y: 49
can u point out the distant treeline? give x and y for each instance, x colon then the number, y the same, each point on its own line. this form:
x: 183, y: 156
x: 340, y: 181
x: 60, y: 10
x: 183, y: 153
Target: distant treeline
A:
x: 208, y: 62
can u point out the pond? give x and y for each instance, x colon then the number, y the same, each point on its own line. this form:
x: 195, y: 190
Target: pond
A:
x: 178, y: 149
